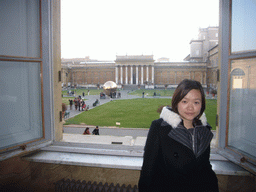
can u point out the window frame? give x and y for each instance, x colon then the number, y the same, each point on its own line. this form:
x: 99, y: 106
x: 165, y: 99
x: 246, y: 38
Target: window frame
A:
x: 226, y: 58
x: 46, y: 75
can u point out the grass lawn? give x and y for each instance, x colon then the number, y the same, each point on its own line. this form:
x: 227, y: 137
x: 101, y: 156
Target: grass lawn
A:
x: 132, y: 113
x: 150, y: 92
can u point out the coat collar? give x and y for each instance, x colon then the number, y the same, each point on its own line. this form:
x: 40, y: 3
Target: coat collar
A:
x: 174, y: 119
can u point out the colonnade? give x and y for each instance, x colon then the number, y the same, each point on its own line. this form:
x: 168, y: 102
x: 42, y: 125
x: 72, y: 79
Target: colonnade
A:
x: 134, y: 74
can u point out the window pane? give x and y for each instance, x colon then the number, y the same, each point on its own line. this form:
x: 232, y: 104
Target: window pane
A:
x: 20, y: 28
x: 242, y: 110
x: 243, y: 37
x: 20, y: 103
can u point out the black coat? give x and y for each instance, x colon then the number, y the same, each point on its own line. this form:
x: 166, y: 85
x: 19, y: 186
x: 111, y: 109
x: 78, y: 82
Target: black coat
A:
x: 171, y: 163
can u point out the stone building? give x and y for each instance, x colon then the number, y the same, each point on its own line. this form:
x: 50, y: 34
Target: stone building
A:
x: 144, y: 71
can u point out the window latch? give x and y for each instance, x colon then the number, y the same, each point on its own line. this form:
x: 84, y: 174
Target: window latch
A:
x: 59, y: 76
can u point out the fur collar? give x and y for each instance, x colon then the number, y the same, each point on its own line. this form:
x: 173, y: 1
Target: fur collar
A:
x: 174, y: 119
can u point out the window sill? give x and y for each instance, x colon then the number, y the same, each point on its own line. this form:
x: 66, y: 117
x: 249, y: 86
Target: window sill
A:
x: 117, y: 157
x: 18, y: 151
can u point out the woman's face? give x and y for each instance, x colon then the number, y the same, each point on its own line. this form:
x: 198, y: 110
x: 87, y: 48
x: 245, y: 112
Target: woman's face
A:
x: 190, y: 106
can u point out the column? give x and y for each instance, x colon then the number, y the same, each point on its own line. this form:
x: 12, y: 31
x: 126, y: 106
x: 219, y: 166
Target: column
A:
x: 121, y: 75
x: 131, y: 74
x: 126, y: 75
x: 73, y: 78
x: 147, y: 73
x: 116, y: 74
x: 86, y: 74
x: 137, y: 75
x: 153, y: 75
x: 142, y: 75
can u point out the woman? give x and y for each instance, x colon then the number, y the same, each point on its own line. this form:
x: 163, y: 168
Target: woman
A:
x: 87, y: 131
x: 177, y: 149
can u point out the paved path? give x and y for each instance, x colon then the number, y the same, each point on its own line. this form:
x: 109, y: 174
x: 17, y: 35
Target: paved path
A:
x: 134, y: 132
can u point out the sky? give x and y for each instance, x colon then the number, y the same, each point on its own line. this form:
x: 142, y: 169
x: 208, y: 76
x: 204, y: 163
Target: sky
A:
x: 102, y: 29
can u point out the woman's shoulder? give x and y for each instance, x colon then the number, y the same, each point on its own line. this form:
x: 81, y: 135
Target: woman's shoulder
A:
x: 159, y: 124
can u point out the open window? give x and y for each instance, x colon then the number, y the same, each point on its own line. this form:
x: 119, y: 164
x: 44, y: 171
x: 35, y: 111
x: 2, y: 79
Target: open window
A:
x: 26, y: 75
x: 237, y: 109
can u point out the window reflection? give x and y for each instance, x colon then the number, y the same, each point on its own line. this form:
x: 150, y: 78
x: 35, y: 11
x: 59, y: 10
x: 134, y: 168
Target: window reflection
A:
x: 243, y: 26
x: 242, y: 112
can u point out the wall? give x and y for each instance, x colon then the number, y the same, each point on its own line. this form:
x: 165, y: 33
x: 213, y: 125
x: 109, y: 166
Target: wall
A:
x: 56, y: 49
x: 30, y: 176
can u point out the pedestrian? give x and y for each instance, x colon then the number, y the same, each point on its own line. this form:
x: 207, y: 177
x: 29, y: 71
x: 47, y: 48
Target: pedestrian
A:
x: 70, y: 103
x: 88, y: 92
x: 177, y: 150
x: 79, y: 103
x: 96, y: 131
x: 75, y: 101
x: 143, y: 94
x: 87, y: 131
x: 83, y: 105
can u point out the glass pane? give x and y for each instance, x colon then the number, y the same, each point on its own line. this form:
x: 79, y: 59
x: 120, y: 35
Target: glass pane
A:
x: 242, y: 110
x: 243, y: 26
x: 20, y: 28
x: 20, y: 103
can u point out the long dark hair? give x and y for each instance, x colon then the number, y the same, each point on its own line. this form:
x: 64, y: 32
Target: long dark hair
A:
x: 182, y: 90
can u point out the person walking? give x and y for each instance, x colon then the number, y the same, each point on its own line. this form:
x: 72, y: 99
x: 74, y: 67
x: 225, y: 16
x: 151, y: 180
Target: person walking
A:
x: 75, y: 101
x: 177, y: 150
x: 70, y: 103
x: 79, y: 103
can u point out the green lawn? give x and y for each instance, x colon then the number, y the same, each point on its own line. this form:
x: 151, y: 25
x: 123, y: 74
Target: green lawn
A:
x: 132, y: 113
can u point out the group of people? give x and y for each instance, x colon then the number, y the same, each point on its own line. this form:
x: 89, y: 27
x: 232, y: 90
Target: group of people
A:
x: 94, y: 132
x: 78, y: 102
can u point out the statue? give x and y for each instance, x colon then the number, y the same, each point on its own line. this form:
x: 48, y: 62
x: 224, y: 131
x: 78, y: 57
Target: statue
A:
x: 110, y: 88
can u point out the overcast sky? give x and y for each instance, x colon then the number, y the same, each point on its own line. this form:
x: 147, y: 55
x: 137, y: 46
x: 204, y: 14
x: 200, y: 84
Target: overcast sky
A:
x: 102, y: 29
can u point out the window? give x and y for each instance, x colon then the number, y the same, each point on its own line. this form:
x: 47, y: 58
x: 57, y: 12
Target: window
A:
x: 242, y: 108
x: 237, y: 108
x: 25, y: 74
x: 243, y: 26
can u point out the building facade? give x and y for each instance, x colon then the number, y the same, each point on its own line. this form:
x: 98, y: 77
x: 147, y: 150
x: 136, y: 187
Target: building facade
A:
x: 143, y: 70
